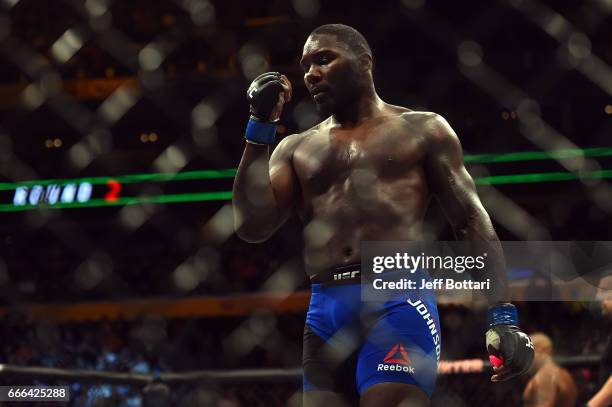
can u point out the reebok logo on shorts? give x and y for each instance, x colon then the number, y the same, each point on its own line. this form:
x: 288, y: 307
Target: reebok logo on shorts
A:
x: 398, y: 354
x: 396, y: 360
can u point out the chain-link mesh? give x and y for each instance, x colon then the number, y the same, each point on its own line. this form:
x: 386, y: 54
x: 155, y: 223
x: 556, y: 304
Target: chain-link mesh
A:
x: 94, y: 91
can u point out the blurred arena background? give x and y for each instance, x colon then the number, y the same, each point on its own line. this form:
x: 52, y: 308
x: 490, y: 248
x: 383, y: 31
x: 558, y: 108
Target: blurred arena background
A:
x: 121, y: 127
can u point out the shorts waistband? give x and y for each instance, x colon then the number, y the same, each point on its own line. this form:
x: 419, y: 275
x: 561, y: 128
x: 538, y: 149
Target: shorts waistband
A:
x: 349, y: 274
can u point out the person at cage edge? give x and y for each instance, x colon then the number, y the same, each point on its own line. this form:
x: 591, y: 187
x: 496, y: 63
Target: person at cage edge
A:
x: 550, y: 385
x: 365, y: 173
x: 603, y: 397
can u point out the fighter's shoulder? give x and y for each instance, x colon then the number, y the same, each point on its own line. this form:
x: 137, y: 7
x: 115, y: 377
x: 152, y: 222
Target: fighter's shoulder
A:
x: 438, y: 134
x: 321, y: 127
x: 429, y: 123
x: 290, y: 143
x: 295, y: 139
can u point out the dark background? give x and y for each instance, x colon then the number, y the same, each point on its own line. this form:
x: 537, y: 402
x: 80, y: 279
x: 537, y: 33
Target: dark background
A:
x: 509, y: 76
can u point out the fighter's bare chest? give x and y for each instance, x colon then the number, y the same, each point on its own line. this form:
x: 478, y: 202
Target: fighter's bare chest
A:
x: 331, y: 157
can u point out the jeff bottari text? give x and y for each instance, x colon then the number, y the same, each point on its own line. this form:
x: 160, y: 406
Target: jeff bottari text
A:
x: 431, y: 284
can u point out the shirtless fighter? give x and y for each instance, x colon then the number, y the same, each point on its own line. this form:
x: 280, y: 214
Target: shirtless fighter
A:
x: 551, y: 385
x: 603, y: 397
x: 365, y: 173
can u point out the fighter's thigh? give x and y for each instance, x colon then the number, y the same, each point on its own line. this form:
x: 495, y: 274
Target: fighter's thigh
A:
x: 394, y: 394
x: 328, y: 373
x: 400, y: 347
x: 317, y: 398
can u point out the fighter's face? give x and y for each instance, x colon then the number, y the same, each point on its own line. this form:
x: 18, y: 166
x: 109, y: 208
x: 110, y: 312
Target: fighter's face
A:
x: 332, y: 72
x: 606, y: 308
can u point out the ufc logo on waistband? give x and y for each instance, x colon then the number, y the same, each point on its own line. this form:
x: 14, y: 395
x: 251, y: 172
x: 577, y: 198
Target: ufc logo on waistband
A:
x: 346, y: 275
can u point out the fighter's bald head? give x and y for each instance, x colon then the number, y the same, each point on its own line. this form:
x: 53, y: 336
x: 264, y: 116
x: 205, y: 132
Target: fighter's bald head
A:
x: 347, y: 35
x: 542, y: 343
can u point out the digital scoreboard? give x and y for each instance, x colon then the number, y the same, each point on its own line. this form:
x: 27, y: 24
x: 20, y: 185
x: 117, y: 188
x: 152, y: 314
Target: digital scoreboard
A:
x: 191, y: 186
x: 57, y: 193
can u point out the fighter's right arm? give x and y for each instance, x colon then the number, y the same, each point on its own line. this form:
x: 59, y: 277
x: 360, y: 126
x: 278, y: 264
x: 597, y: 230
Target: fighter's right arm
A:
x: 265, y: 190
x: 264, y: 187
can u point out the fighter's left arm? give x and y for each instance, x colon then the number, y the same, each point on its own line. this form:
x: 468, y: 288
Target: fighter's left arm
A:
x: 455, y: 191
x: 603, y: 397
x: 510, y: 350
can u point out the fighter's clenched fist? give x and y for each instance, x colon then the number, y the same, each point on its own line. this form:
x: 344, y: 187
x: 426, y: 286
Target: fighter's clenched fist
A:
x: 267, y: 95
x: 510, y: 350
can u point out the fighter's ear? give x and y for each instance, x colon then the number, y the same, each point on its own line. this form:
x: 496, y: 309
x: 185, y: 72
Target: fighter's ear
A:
x: 367, y: 61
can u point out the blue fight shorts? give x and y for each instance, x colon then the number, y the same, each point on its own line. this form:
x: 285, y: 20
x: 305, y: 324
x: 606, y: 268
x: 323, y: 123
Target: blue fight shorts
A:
x: 351, y: 345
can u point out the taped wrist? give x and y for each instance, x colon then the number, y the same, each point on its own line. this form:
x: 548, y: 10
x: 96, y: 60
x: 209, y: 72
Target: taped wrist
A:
x: 260, y: 132
x: 502, y: 314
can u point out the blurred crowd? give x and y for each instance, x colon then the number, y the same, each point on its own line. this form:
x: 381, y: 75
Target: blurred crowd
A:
x: 134, y: 267
x: 153, y: 345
